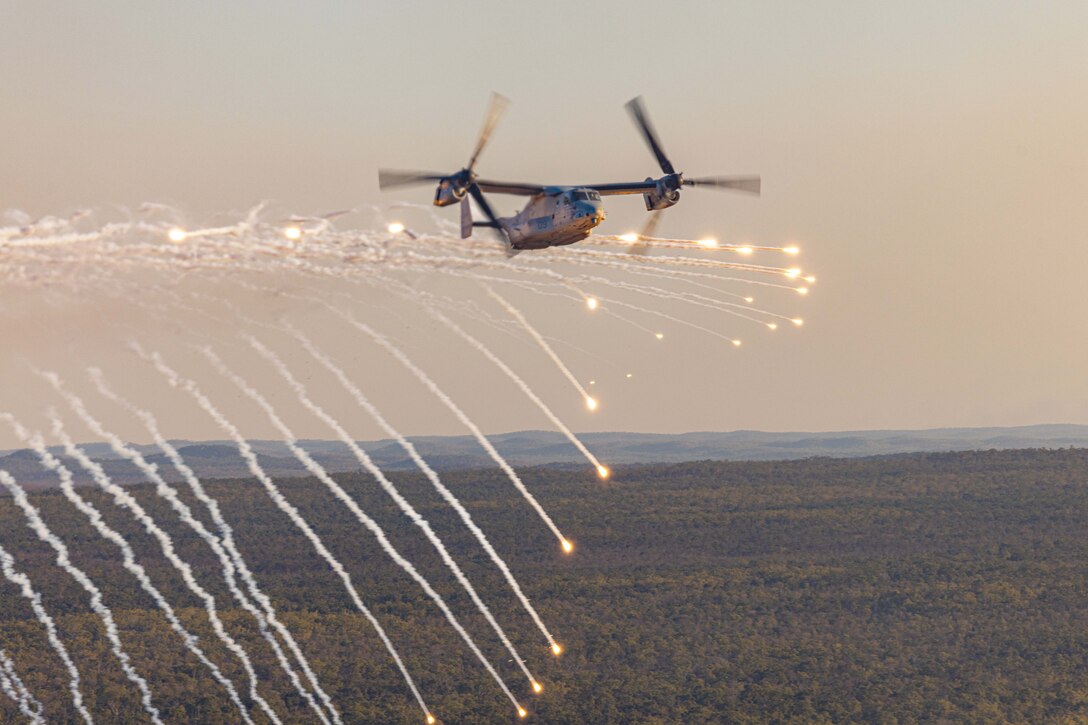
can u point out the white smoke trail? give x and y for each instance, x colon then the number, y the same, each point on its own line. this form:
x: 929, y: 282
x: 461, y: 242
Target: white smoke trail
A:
x: 105, y: 614
x: 423, y: 466
x: 516, y: 379
x: 608, y: 302
x: 50, y: 462
x: 406, y: 508
x: 387, y: 485
x: 591, y: 402
x: 432, y: 309
x: 480, y: 437
x: 268, y: 614
x: 318, y: 472
x: 588, y: 256
x: 378, y: 258
x: 259, y: 246
x: 249, y: 245
x: 478, y: 434
x: 15, y: 688
x: 286, y: 507
x: 8, y: 688
x: 671, y: 318
x: 21, y: 580
x: 689, y: 279
x: 125, y: 500
x: 699, y: 300
x: 643, y: 290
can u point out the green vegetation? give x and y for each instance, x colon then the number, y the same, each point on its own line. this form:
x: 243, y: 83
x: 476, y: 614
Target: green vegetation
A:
x: 915, y: 588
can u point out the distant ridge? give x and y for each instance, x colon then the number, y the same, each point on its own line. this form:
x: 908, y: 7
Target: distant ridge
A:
x: 220, y: 459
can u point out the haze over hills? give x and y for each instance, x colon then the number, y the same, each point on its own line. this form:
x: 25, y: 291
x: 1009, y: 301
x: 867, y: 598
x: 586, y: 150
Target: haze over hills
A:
x: 220, y: 459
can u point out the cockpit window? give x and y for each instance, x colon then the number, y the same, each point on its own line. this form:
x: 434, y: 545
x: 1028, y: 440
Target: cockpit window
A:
x: 586, y: 196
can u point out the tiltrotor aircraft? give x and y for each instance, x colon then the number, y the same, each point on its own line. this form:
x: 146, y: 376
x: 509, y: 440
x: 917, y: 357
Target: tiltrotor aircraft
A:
x: 558, y: 214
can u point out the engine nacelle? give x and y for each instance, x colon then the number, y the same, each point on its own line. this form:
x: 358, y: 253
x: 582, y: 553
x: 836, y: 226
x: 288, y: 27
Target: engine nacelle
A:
x: 665, y: 194
x: 449, y: 191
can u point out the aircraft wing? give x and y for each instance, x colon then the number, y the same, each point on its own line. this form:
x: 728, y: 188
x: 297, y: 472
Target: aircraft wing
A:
x: 634, y: 187
x: 519, y: 189
x: 509, y: 187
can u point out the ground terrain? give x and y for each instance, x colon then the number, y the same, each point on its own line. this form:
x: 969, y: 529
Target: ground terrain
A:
x: 908, y: 588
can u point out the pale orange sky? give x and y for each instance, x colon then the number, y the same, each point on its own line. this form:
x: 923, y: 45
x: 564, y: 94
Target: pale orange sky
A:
x: 930, y: 158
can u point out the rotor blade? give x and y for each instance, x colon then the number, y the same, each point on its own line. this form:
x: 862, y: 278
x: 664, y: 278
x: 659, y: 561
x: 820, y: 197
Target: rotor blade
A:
x: 652, y: 220
x: 647, y: 231
x: 388, y: 178
x: 638, y: 113
x: 494, y: 113
x: 749, y: 184
x: 486, y: 208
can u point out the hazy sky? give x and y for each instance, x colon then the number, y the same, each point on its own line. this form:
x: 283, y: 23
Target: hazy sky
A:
x: 929, y: 157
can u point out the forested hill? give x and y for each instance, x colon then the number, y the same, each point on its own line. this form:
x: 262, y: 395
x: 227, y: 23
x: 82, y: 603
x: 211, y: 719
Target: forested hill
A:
x: 913, y: 588
x: 220, y: 459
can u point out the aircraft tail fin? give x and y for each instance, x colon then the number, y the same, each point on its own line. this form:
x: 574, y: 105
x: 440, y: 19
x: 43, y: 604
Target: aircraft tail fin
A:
x: 467, y: 225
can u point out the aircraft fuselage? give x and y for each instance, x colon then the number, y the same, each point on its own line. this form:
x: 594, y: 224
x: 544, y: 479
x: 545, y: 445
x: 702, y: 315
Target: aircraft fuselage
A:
x: 556, y: 217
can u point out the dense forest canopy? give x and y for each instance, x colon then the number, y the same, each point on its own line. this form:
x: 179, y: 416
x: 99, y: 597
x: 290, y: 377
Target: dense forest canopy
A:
x: 910, y: 588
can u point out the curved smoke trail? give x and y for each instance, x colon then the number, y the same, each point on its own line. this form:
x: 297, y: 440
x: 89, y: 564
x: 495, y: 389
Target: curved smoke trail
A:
x: 15, y: 688
x: 165, y: 491
x: 64, y: 561
x: 268, y: 614
x: 286, y: 507
x: 431, y: 475
x: 21, y: 580
x: 402, y: 503
x: 67, y: 486
x: 318, y: 472
x: 125, y: 500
